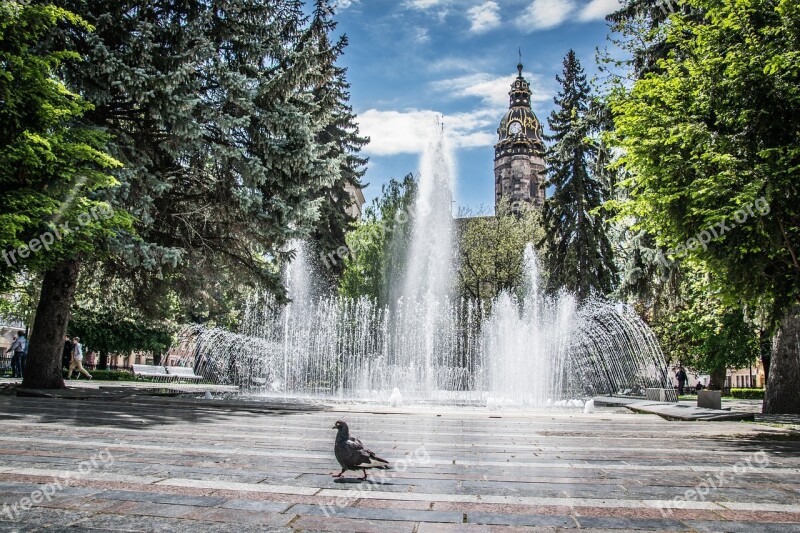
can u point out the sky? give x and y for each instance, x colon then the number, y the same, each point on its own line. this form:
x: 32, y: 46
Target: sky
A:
x: 409, y: 61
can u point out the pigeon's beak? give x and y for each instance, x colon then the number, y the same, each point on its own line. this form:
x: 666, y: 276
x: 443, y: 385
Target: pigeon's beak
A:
x: 334, y: 427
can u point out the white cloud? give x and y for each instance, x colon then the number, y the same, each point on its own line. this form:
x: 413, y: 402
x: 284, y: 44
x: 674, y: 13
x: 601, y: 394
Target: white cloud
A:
x: 421, y: 35
x: 426, y: 4
x: 598, y: 9
x: 492, y: 90
x: 544, y: 14
x: 484, y: 17
x: 341, y: 5
x: 407, y: 132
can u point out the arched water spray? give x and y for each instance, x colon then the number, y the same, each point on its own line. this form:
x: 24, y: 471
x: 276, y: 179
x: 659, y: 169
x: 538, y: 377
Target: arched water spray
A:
x: 531, y: 348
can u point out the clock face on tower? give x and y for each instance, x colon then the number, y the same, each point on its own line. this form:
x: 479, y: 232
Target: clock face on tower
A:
x: 514, y: 128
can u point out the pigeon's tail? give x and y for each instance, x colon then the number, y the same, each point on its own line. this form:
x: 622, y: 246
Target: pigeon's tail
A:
x: 376, y: 462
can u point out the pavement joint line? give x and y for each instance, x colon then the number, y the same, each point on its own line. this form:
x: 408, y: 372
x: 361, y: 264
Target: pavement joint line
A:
x: 243, y: 487
x: 516, y: 464
x: 512, y: 447
x: 532, y: 500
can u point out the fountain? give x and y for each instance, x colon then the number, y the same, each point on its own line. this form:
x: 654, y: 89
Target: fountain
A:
x: 429, y: 347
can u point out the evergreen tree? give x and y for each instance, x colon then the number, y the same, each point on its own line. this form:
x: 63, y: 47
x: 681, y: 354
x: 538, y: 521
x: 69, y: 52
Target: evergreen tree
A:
x: 578, y: 253
x: 342, y: 137
x: 215, y: 113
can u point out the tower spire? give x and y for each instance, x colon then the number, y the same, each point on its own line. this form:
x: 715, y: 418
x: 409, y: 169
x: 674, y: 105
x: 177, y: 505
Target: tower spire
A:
x: 519, y: 64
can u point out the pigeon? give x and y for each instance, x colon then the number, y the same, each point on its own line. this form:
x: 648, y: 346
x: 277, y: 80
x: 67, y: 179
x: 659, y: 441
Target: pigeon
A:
x: 352, y: 455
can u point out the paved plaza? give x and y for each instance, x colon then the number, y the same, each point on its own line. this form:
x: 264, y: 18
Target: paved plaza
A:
x: 131, y: 462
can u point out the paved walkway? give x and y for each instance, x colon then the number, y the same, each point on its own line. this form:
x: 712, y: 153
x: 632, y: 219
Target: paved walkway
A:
x: 135, y: 464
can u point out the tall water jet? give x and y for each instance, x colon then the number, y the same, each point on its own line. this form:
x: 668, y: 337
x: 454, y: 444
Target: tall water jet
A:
x: 422, y: 308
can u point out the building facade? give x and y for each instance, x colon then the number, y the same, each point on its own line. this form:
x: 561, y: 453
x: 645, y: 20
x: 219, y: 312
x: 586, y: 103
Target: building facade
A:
x: 519, y: 152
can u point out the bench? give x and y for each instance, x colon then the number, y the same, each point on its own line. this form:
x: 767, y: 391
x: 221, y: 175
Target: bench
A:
x: 182, y: 372
x: 151, y: 371
x: 661, y: 395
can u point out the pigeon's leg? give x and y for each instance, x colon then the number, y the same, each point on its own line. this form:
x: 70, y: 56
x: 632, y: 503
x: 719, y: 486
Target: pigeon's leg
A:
x: 339, y: 474
x: 365, y: 475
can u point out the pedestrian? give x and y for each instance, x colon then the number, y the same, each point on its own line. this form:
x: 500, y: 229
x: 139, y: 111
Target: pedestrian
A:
x: 77, y: 360
x: 681, y: 376
x: 66, y: 355
x: 19, y: 351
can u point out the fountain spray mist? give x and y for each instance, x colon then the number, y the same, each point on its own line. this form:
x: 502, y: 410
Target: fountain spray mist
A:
x: 531, y: 349
x: 429, y: 267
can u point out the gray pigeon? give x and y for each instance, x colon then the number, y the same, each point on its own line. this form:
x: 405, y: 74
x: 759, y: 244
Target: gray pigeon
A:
x: 352, y: 455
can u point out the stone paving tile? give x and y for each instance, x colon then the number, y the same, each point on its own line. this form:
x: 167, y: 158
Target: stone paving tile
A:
x: 260, y: 506
x: 238, y: 516
x: 560, y: 521
x: 349, y: 525
x: 174, y: 499
x: 364, y: 513
x: 481, y: 528
x: 743, y: 527
x: 114, y: 522
x: 629, y: 524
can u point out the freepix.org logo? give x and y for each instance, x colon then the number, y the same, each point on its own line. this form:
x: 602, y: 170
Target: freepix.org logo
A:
x: 55, y: 234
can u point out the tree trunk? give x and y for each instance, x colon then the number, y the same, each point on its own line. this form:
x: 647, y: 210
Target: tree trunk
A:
x: 717, y: 381
x: 103, y: 363
x: 43, y: 369
x: 783, y: 387
x: 765, y: 348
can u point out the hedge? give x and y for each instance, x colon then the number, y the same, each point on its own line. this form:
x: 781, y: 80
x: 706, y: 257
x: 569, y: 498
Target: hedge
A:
x: 109, y: 375
x: 748, y: 394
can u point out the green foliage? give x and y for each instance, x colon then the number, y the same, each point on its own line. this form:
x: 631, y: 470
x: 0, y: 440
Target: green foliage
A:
x: 747, y: 394
x: 712, y: 151
x: 491, y: 251
x: 578, y: 255
x: 341, y: 136
x: 376, y: 246
x: 113, y: 332
x: 52, y: 164
x: 113, y: 375
x: 705, y: 332
x: 234, y: 130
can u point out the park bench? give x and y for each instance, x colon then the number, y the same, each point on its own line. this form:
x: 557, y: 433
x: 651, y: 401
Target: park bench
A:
x: 151, y: 371
x: 182, y: 372
x: 661, y: 395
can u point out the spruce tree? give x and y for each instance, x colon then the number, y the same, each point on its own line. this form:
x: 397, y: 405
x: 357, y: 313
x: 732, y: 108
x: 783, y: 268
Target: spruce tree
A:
x: 578, y: 253
x: 215, y: 113
x: 342, y: 139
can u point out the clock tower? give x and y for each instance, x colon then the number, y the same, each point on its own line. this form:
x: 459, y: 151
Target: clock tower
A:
x: 519, y: 152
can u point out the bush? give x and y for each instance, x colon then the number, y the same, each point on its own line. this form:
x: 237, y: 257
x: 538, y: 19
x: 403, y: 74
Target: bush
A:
x: 748, y: 394
x: 110, y: 375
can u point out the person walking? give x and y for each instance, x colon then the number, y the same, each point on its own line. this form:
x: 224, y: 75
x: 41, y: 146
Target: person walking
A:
x: 77, y: 360
x: 66, y: 355
x: 681, y: 376
x: 19, y: 351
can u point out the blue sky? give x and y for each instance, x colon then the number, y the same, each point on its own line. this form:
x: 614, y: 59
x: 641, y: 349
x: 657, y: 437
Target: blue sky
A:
x: 410, y: 60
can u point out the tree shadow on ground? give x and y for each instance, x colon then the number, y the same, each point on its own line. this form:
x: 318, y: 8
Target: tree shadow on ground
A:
x: 138, y: 411
x: 773, y: 443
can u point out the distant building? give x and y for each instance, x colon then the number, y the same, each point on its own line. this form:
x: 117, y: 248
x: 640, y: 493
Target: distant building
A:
x: 519, y: 152
x: 356, y: 200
